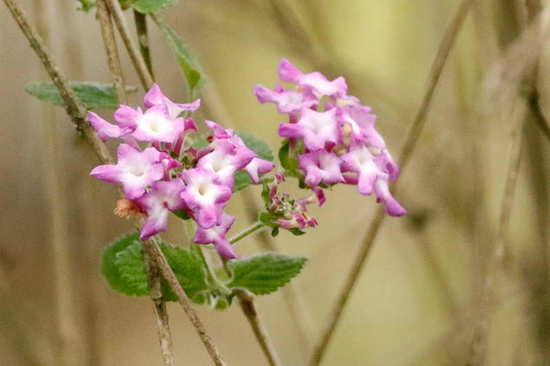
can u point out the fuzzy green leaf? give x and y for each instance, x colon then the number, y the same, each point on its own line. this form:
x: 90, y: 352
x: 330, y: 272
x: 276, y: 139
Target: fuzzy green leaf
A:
x: 133, y: 271
x: 242, y: 180
x: 188, y: 64
x: 92, y: 94
x: 109, y: 266
x: 264, y: 274
x: 189, y: 270
x: 257, y: 145
x: 151, y: 6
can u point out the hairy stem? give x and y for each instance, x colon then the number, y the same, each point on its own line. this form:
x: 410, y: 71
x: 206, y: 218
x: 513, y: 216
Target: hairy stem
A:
x: 155, y: 252
x: 161, y: 314
x: 249, y: 230
x: 250, y: 311
x: 411, y: 141
x: 139, y: 64
x: 143, y: 40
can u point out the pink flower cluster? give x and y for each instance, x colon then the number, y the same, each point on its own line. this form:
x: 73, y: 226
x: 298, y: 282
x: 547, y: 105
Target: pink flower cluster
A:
x: 332, y: 135
x: 161, y: 172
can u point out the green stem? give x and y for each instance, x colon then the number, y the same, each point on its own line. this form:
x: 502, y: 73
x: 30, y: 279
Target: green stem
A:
x: 249, y: 230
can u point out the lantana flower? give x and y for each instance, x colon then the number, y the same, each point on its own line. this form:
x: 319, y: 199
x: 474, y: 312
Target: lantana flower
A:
x: 331, y: 136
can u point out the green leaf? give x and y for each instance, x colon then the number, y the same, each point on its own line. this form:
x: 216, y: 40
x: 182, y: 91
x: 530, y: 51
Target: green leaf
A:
x: 151, y: 6
x: 257, y: 145
x: 264, y: 273
x: 92, y: 94
x: 242, y: 180
x: 133, y: 271
x: 189, y: 270
x: 109, y: 266
x: 188, y: 64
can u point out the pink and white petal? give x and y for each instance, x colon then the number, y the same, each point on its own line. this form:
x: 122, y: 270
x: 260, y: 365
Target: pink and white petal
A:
x: 288, y: 72
x: 107, y: 173
x: 393, y: 208
x: 126, y: 117
x: 258, y: 166
x: 104, y: 129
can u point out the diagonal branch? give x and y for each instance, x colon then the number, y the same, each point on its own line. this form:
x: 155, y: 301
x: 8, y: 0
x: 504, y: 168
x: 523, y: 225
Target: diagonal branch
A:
x: 411, y: 143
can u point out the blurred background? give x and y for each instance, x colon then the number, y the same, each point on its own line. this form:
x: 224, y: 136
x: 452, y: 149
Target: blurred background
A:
x: 421, y: 286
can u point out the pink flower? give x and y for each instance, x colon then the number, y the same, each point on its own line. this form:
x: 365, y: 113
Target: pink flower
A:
x: 155, y: 97
x: 205, y: 196
x: 315, y: 81
x: 287, y: 101
x: 104, y: 129
x: 321, y: 167
x: 225, y: 160
x: 163, y: 198
x: 155, y: 125
x: 318, y: 129
x: 135, y: 170
x: 216, y: 235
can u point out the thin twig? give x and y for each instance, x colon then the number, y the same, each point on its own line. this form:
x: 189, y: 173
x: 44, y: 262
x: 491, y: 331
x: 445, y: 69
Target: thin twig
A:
x: 406, y: 153
x: 73, y: 107
x: 143, y: 40
x: 76, y: 113
x: 113, y: 61
x: 161, y: 314
x: 139, y: 64
x: 249, y: 309
x: 155, y: 252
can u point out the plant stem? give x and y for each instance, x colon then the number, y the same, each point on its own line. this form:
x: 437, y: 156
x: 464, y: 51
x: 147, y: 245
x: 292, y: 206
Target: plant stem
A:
x: 73, y: 107
x: 251, y: 313
x: 170, y: 277
x: 161, y: 314
x: 143, y: 40
x: 139, y: 64
x: 249, y: 230
x: 411, y: 141
x: 113, y: 61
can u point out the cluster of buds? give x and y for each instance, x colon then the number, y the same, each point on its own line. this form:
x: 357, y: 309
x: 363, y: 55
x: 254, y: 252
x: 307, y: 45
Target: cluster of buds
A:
x: 162, y: 171
x: 330, y: 137
x: 286, y: 212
